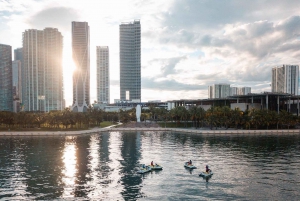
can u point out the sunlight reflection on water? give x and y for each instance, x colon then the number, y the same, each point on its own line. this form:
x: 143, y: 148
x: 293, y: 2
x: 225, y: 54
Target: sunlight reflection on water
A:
x: 69, y: 170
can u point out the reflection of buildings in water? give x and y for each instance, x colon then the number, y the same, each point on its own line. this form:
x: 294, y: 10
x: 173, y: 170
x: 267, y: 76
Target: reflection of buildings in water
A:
x: 83, y: 169
x: 13, y: 163
x: 130, y: 152
x: 104, y: 158
x: 31, y: 162
x: 94, y: 165
x: 114, y: 187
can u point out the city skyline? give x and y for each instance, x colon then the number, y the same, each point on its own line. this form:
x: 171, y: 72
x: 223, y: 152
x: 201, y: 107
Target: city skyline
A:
x: 186, y: 45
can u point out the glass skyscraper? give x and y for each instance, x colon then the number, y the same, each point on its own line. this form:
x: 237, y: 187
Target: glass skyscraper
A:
x: 130, y: 61
x: 81, y: 58
x: 6, y: 91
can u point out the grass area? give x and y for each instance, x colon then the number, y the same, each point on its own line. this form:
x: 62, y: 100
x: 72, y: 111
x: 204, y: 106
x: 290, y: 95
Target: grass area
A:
x: 41, y: 129
x: 107, y: 123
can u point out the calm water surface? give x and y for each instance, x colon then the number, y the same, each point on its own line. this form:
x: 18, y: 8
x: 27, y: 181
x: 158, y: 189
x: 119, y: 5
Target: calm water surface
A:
x: 102, y: 167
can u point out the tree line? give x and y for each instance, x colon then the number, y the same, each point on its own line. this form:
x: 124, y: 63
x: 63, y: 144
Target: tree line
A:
x: 214, y: 118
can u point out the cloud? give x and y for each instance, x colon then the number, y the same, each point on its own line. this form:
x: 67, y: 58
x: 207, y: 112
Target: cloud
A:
x: 169, y: 85
x: 57, y: 17
x: 212, y: 15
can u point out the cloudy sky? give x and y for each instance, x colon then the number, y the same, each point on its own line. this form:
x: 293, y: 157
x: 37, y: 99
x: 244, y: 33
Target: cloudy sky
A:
x: 187, y: 45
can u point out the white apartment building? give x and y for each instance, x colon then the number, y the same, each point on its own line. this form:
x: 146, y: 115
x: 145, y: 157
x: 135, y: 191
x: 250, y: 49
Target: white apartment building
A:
x: 81, y: 58
x: 239, y: 91
x: 103, y: 87
x: 219, y: 91
x: 285, y: 79
x: 42, y: 78
x: 233, y: 91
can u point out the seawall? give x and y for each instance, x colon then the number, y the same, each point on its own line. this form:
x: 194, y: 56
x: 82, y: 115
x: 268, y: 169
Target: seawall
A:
x: 112, y: 129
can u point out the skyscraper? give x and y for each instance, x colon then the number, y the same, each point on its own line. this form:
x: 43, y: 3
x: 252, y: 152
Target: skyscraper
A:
x: 130, y: 61
x: 18, y: 60
x: 18, y: 54
x: 219, y: 91
x: 103, y: 89
x: 239, y: 91
x: 16, y: 71
x: 81, y: 57
x: 285, y: 79
x: 43, y: 73
x: 6, y: 97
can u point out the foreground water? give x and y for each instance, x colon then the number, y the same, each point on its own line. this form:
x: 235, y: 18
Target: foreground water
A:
x: 102, y: 167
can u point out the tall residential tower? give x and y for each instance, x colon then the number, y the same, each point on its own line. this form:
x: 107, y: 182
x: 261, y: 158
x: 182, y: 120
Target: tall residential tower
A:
x: 43, y: 73
x: 81, y: 58
x: 285, y: 79
x: 130, y: 61
x: 103, y: 89
x: 6, y: 89
x: 219, y: 91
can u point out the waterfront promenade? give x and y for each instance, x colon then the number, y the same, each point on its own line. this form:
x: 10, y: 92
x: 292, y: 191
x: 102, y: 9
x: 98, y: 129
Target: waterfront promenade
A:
x: 133, y: 126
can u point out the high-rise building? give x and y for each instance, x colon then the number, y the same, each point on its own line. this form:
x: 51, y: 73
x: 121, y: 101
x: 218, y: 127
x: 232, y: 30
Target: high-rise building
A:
x: 81, y: 58
x: 219, y: 91
x: 18, y: 58
x: 16, y: 77
x: 18, y: 54
x: 244, y: 90
x: 103, y: 89
x: 239, y: 91
x: 6, y: 91
x: 285, y: 79
x: 233, y: 91
x: 43, y: 73
x: 130, y: 61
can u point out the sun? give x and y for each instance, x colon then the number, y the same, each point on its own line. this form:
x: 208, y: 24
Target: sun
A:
x: 68, y: 70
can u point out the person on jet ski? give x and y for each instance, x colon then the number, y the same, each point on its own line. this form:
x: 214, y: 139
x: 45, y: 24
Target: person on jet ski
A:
x: 207, y: 169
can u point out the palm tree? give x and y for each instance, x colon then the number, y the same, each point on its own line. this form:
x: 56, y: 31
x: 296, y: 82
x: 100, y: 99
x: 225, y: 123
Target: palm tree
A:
x: 236, y: 115
x: 200, y: 115
x: 226, y: 112
x: 193, y: 115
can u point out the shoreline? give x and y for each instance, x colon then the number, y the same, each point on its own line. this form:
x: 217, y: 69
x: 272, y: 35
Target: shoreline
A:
x: 112, y: 129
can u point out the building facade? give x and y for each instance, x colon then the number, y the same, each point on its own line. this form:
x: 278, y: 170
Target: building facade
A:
x: 130, y: 61
x: 219, y: 91
x: 6, y: 90
x: 103, y: 88
x: 233, y: 91
x: 239, y: 91
x: 285, y: 79
x: 81, y: 58
x: 43, y: 73
x: 244, y: 90
x: 16, y: 76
